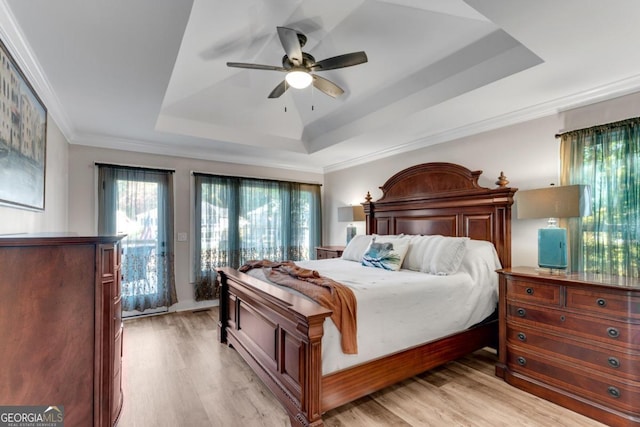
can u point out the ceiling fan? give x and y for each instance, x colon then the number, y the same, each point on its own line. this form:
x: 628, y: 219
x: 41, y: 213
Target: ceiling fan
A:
x: 299, y: 65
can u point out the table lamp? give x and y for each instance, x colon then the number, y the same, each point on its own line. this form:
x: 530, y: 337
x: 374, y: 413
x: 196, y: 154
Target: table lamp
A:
x: 553, y: 203
x: 350, y: 214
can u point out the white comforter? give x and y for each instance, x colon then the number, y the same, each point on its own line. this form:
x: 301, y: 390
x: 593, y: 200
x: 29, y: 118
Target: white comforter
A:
x: 397, y: 310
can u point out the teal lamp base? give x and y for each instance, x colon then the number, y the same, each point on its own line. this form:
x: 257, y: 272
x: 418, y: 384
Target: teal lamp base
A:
x: 351, y: 232
x: 552, y: 248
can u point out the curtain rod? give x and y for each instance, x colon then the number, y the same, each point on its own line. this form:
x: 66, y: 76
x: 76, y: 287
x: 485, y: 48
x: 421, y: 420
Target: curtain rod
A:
x: 135, y: 167
x: 606, y: 126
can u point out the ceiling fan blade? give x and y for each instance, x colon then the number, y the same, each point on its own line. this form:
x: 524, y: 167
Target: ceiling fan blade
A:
x: 340, y: 61
x: 255, y: 66
x: 279, y: 90
x: 291, y: 44
x: 326, y: 86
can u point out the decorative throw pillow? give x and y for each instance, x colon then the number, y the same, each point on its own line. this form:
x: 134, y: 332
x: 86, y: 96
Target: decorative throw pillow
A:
x: 357, y: 247
x: 447, y: 256
x: 386, y: 252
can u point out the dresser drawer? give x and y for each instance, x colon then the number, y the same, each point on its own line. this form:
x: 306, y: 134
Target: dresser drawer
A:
x: 605, y: 331
x: 604, y: 303
x: 608, y: 361
x: 608, y: 390
x: 533, y: 292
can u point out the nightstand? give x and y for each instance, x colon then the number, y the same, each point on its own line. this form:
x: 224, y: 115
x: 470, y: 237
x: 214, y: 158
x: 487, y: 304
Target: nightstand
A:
x: 573, y: 339
x: 326, y: 252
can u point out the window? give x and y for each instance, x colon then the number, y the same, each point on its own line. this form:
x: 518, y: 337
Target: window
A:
x: 240, y: 219
x: 607, y: 158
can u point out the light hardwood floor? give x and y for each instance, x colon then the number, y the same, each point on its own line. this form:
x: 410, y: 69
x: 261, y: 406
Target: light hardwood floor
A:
x: 176, y: 374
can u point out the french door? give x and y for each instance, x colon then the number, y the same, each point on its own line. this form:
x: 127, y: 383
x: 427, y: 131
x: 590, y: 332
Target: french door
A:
x: 138, y: 202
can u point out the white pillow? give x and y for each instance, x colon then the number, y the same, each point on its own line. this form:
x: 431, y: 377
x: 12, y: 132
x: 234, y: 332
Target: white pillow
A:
x: 480, y: 259
x: 356, y: 247
x: 386, y: 252
x: 418, y: 246
x: 444, y: 257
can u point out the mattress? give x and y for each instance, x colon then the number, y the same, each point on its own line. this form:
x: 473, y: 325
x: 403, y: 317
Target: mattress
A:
x: 401, y: 309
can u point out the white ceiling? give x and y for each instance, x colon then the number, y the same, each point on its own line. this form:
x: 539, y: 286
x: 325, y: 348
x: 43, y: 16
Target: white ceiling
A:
x: 151, y: 75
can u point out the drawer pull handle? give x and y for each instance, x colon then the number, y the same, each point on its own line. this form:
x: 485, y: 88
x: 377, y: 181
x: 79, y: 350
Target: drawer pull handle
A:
x: 613, y: 362
x: 521, y: 361
x: 614, y: 392
x: 529, y: 291
x: 521, y: 312
x: 601, y: 302
x: 613, y: 332
x: 522, y: 337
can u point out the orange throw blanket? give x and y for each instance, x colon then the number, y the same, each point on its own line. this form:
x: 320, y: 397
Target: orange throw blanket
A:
x: 326, y: 292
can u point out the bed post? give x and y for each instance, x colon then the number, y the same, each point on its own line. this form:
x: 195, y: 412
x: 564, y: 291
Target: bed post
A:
x: 223, y: 312
x: 368, y: 214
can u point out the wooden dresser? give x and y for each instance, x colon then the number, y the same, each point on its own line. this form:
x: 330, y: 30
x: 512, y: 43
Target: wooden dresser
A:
x: 573, y: 339
x: 325, y: 252
x: 61, y: 325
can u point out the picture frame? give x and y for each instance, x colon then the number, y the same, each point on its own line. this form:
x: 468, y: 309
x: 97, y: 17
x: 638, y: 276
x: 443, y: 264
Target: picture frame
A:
x: 23, y: 138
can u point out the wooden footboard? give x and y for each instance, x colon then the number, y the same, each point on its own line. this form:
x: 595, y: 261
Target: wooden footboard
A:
x: 279, y: 335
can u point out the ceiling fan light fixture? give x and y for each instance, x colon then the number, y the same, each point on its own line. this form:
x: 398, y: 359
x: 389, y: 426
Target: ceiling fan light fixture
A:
x: 298, y: 79
x: 301, y: 67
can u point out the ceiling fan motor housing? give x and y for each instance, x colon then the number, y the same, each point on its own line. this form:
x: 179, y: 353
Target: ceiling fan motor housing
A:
x: 302, y: 39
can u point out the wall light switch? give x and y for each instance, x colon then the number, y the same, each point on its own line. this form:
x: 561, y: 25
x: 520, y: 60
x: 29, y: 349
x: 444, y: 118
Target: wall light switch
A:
x: 182, y: 237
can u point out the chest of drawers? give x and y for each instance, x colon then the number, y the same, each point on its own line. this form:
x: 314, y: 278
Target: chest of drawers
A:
x: 573, y: 339
x: 61, y: 326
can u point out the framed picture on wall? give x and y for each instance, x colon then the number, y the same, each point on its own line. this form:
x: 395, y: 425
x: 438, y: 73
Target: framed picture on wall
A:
x: 23, y: 138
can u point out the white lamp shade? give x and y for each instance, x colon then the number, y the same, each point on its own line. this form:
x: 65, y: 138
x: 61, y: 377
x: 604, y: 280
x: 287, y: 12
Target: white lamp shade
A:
x: 351, y: 213
x: 554, y: 202
x: 298, y: 79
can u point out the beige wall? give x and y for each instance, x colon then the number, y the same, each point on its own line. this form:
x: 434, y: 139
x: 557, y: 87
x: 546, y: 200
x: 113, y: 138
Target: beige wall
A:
x: 82, y: 199
x: 528, y: 153
x: 54, y: 216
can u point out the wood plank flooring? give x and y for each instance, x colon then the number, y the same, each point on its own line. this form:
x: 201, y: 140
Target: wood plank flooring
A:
x: 176, y: 374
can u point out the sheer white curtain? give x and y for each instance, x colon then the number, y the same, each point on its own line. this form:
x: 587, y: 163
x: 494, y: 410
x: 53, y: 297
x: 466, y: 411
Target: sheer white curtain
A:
x: 139, y: 202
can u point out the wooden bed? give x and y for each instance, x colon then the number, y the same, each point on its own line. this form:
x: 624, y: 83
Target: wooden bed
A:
x: 279, y: 334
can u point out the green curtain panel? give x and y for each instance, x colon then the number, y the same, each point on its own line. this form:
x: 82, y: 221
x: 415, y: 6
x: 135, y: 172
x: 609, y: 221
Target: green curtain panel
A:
x: 607, y: 158
x: 241, y: 219
x: 138, y: 202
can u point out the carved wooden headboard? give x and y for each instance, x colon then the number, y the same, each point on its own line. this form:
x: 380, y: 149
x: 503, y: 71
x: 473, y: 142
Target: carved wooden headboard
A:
x: 443, y: 198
